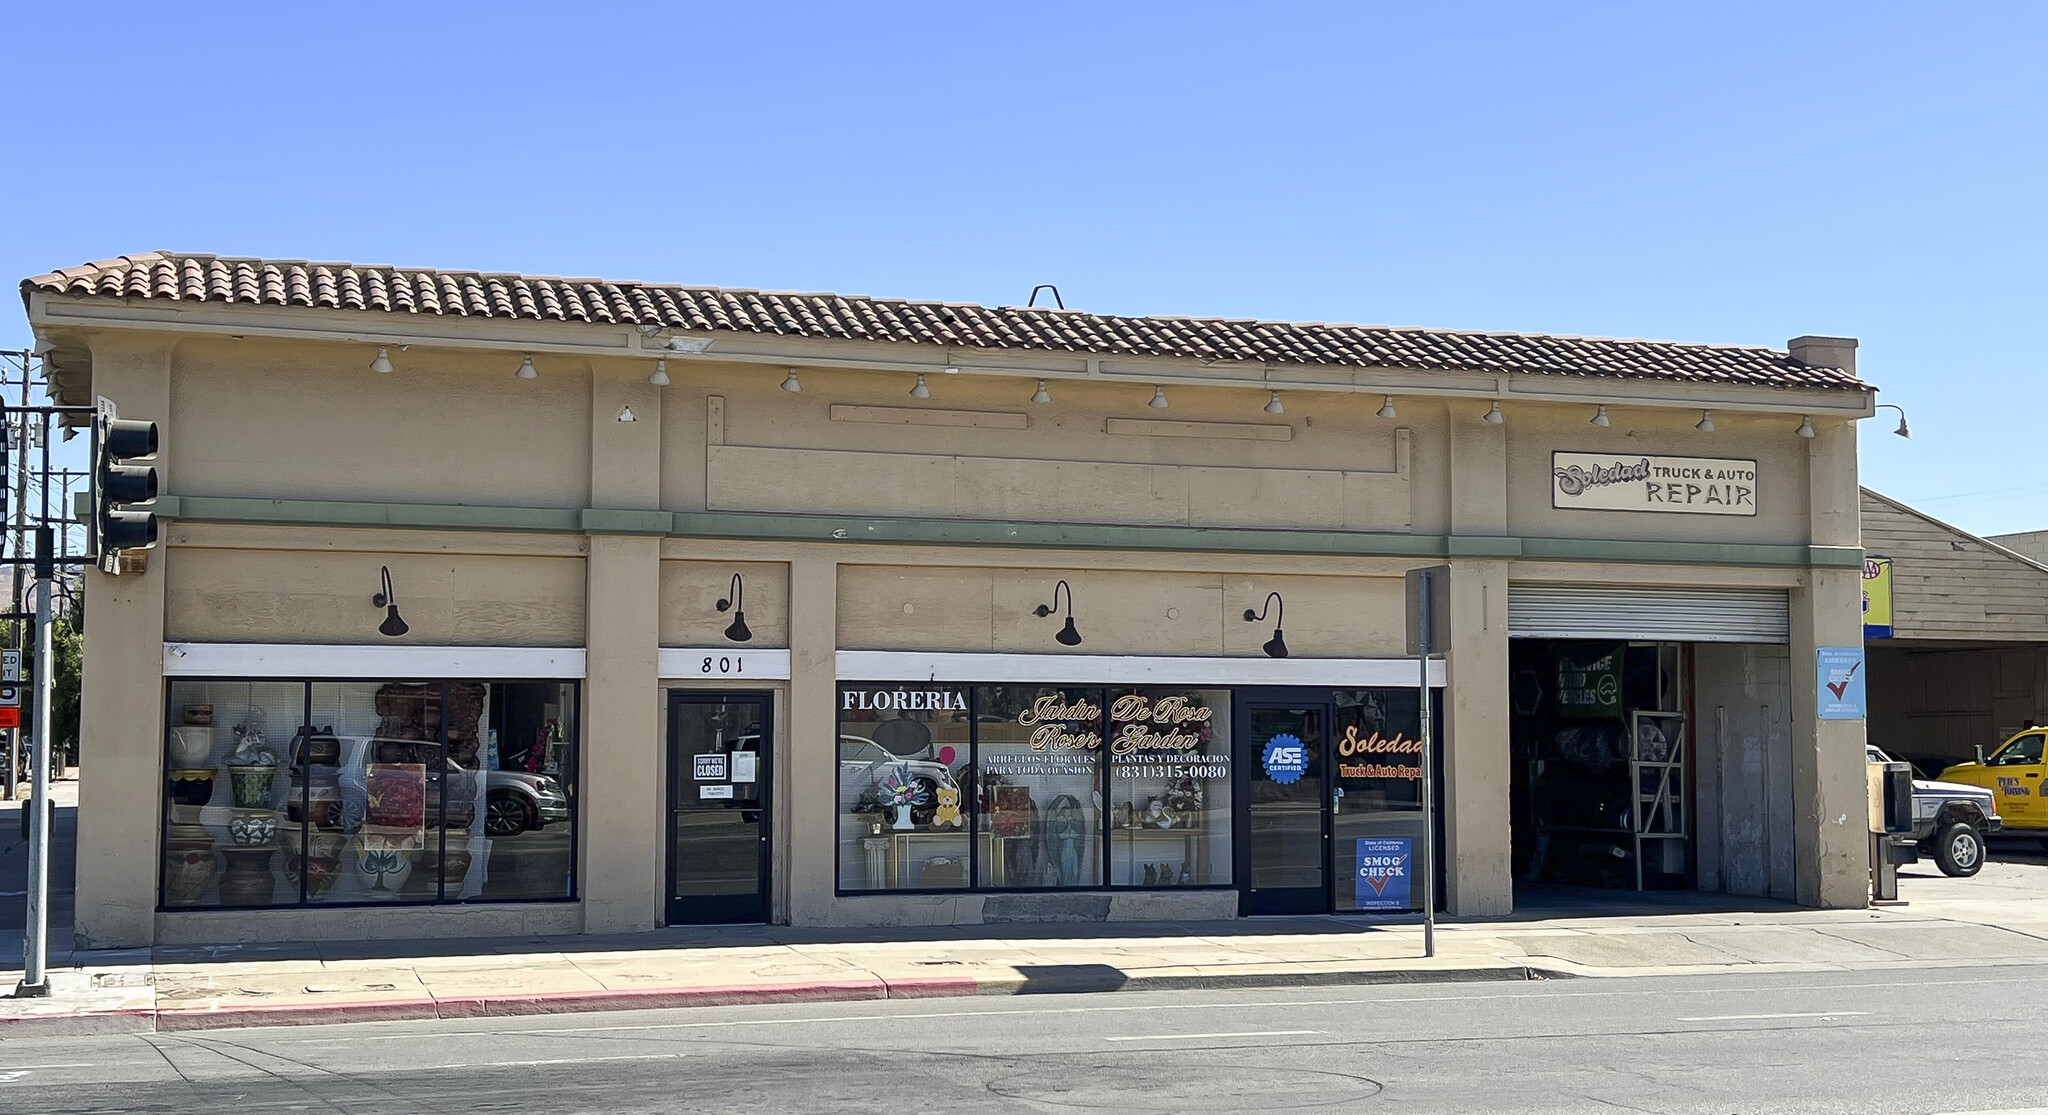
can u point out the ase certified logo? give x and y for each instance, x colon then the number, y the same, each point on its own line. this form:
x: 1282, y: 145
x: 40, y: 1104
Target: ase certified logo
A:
x: 1285, y: 758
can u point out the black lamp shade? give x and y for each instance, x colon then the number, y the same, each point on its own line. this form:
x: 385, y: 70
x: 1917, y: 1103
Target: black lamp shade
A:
x: 392, y: 625
x: 1068, y: 636
x: 738, y: 631
x: 1276, y: 647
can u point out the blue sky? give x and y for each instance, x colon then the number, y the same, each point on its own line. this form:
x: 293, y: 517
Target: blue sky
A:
x: 1738, y: 173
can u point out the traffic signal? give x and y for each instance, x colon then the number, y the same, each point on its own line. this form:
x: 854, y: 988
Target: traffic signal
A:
x: 117, y: 484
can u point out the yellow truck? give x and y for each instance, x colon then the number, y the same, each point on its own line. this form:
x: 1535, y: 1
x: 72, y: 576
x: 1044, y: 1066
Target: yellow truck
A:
x: 2017, y: 775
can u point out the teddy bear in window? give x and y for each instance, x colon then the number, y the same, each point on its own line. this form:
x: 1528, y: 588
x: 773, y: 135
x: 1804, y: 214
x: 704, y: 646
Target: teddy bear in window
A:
x: 948, y: 811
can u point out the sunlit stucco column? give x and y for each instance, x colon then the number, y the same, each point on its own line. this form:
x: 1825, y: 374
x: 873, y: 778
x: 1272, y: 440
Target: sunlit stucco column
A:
x: 1831, y: 844
x: 1476, y: 767
x: 121, y: 730
x: 622, y: 809
x: 811, y: 754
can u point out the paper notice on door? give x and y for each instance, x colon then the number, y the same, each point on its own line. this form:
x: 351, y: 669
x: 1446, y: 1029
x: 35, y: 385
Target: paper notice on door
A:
x: 708, y: 792
x: 744, y: 766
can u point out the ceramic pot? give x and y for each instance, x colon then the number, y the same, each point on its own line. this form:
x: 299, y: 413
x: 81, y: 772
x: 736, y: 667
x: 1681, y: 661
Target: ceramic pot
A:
x: 248, y: 880
x: 251, y: 785
x: 188, y: 872
x: 253, y: 828
x: 454, y: 867
x: 191, y: 746
x: 199, y: 716
x: 382, y: 867
x: 191, y: 787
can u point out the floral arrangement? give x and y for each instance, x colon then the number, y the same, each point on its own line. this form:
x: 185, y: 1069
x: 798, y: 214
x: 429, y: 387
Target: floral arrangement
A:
x: 898, y: 790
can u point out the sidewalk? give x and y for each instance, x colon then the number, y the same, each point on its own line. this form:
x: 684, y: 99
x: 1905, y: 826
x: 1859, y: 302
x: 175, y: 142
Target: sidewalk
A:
x: 202, y: 988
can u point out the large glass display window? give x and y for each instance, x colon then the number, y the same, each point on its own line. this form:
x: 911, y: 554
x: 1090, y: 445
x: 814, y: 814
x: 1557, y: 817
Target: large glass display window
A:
x: 904, y: 817
x: 1376, y: 802
x: 368, y: 792
x: 1032, y: 787
x: 1169, y: 787
x: 1038, y: 766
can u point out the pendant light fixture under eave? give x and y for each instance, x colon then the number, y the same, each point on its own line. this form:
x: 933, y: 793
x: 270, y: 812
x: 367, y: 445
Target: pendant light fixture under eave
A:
x: 1493, y: 416
x: 1276, y: 647
x: 1158, y: 399
x: 1600, y: 418
x: 660, y: 376
x: 383, y: 361
x: 1387, y: 408
x: 393, y: 626
x: 1706, y: 423
x: 1805, y: 426
x: 1273, y: 404
x: 1041, y: 395
x: 737, y: 630
x: 790, y: 383
x: 526, y: 368
x: 1069, y: 636
x: 920, y: 391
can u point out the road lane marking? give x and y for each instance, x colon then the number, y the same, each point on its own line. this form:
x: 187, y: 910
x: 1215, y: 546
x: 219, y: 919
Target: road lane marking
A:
x: 1761, y: 1017
x: 1232, y: 1034
x: 2001, y: 1111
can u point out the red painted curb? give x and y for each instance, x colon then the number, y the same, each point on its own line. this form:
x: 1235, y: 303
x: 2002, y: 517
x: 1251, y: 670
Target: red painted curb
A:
x: 933, y: 987
x: 661, y: 998
x: 296, y: 1014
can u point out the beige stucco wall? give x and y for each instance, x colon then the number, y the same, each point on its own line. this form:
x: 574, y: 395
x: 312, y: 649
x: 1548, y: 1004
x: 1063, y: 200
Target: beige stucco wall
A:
x: 691, y: 590
x: 292, y: 421
x: 1533, y: 433
x: 296, y: 596
x: 896, y: 607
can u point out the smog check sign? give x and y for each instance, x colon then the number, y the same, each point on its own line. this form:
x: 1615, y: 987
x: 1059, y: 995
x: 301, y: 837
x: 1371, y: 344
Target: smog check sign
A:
x: 1632, y: 482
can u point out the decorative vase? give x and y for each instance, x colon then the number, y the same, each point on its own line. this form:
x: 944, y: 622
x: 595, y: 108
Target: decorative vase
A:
x: 199, y: 716
x: 432, y: 867
x: 187, y: 874
x: 248, y: 880
x: 192, y: 787
x: 903, y: 816
x: 318, y: 859
x: 382, y: 866
x: 191, y: 746
x: 251, y: 785
x: 250, y: 829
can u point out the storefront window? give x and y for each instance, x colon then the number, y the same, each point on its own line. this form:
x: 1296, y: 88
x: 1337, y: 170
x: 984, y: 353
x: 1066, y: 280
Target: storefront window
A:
x: 1169, y: 787
x: 904, y: 783
x: 346, y: 793
x: 1039, y: 760
x: 1376, y: 806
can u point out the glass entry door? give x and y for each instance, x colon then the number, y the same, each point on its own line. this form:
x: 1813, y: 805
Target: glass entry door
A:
x: 718, y: 751
x: 1284, y: 755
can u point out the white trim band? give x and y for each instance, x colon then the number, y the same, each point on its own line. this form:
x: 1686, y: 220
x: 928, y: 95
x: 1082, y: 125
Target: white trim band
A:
x: 731, y: 662
x: 370, y: 660
x: 1106, y: 669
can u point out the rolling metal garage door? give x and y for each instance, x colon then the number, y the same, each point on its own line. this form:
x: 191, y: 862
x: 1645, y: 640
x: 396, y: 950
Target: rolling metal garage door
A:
x: 1679, y: 615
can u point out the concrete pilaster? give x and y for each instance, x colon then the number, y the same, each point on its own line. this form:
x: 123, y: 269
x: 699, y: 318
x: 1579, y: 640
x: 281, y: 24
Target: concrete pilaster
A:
x: 1476, y: 767
x: 1832, y: 856
x: 810, y: 757
x: 121, y: 731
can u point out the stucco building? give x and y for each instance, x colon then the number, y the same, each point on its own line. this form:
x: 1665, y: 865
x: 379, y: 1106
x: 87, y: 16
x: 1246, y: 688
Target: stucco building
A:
x: 703, y: 604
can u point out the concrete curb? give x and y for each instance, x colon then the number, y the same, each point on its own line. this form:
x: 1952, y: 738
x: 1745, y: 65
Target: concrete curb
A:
x: 175, y: 1019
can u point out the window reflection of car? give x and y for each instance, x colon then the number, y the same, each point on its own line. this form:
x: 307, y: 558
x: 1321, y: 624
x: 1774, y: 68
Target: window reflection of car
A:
x: 514, y: 801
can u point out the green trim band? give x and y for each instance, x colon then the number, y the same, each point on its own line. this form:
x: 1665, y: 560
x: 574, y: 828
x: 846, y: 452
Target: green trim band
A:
x: 944, y: 532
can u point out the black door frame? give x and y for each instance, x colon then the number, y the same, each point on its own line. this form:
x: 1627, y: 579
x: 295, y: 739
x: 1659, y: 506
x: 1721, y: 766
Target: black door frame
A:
x: 1241, y: 717
x: 736, y: 910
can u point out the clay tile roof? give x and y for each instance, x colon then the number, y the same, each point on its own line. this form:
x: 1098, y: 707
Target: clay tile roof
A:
x: 349, y: 286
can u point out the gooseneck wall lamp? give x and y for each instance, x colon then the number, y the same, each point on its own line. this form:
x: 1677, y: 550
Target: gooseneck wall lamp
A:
x: 1904, y: 430
x: 392, y: 626
x: 1276, y: 647
x: 1068, y: 636
x: 737, y: 631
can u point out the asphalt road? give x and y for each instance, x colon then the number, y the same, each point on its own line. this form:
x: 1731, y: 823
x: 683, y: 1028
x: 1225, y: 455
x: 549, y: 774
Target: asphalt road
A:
x: 1903, y: 1043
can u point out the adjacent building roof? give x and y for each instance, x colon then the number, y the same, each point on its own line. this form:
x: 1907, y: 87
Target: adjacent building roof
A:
x: 408, y: 290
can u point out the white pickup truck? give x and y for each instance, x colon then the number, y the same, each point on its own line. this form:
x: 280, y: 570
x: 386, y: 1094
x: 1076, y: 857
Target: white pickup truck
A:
x: 1950, y: 821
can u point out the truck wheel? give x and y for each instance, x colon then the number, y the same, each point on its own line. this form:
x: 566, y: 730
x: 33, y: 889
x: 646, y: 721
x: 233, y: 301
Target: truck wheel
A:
x: 1959, y: 850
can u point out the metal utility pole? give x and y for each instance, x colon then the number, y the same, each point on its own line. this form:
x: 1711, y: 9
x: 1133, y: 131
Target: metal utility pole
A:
x: 20, y: 552
x: 1428, y: 777
x: 35, y: 944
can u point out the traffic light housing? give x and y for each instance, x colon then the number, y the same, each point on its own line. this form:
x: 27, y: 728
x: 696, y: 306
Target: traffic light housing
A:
x: 118, y: 484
